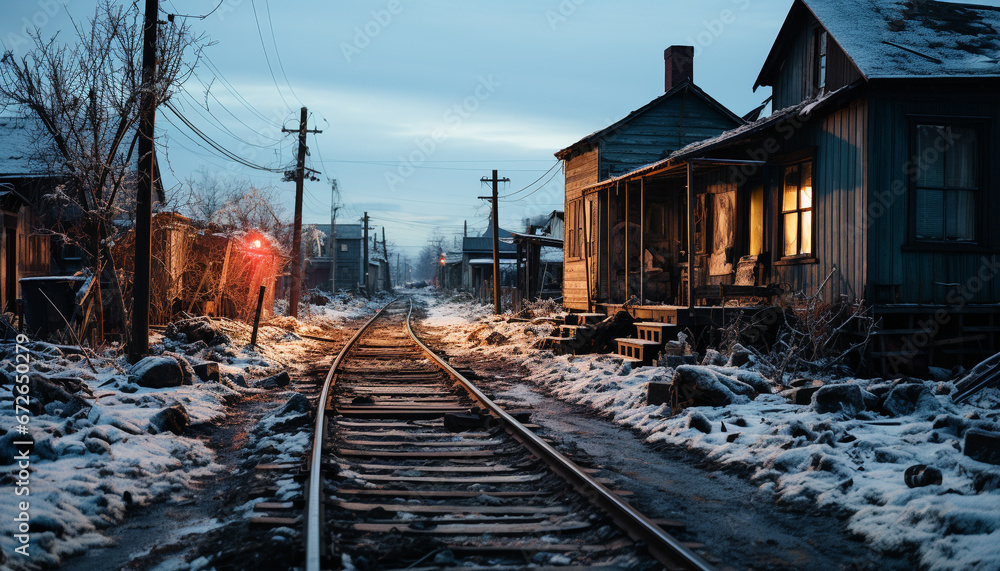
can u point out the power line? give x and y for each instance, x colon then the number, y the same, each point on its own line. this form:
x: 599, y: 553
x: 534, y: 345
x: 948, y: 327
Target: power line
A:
x: 236, y: 93
x: 533, y: 183
x: 537, y: 189
x: 277, y: 54
x: 199, y: 109
x: 219, y: 148
x: 266, y: 58
x: 191, y: 16
x: 208, y: 92
x: 392, y: 165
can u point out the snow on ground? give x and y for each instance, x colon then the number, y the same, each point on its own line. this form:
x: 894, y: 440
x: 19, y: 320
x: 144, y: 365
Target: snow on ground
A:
x: 89, y: 466
x: 852, y: 466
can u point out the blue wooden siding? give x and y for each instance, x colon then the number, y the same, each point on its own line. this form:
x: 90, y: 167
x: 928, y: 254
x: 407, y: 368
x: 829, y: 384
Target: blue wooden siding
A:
x: 839, y: 201
x: 670, y: 125
x: 919, y: 272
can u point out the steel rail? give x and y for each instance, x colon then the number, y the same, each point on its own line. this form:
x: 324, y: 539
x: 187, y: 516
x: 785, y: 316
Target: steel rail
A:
x: 313, y: 499
x: 661, y: 545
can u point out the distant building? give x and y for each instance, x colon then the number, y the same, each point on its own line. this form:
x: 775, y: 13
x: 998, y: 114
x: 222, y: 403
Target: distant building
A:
x: 349, y: 256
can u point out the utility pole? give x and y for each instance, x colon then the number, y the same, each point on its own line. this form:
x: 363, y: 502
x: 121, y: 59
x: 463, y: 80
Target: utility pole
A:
x: 385, y: 250
x: 333, y: 236
x: 496, y: 240
x: 364, y: 270
x: 144, y: 198
x: 300, y: 175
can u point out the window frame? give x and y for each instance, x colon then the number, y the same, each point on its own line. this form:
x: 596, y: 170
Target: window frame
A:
x: 804, y: 257
x: 979, y: 207
x: 574, y: 229
x: 820, y: 59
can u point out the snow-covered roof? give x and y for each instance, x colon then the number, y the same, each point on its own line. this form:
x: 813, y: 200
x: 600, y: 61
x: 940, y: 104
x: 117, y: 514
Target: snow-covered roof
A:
x: 906, y: 38
x: 344, y: 231
x: 18, y: 144
x: 551, y: 255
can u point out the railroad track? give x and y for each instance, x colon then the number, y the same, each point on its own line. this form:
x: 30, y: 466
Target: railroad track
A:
x: 413, y: 467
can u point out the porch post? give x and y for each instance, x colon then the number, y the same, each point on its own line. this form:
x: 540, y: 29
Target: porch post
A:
x: 690, y: 240
x: 626, y: 297
x: 642, y: 240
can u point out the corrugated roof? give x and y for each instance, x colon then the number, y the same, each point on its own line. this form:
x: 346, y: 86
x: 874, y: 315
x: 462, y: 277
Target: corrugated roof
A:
x: 904, y: 38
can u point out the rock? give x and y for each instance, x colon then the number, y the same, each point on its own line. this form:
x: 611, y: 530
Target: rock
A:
x: 240, y: 381
x: 700, y: 386
x: 196, y: 347
x: 920, y: 476
x: 207, y: 372
x: 8, y: 450
x: 193, y: 330
x: 700, y: 422
x: 296, y: 404
x: 97, y: 446
x: 845, y: 398
x: 174, y: 419
x: 801, y: 395
x: 907, y: 399
x: 938, y: 374
x: 739, y: 356
x: 280, y: 380
x: 713, y: 357
x: 187, y: 371
x: 982, y: 446
x: 157, y: 373
x: 658, y: 393
x: 221, y: 339
x: 496, y: 338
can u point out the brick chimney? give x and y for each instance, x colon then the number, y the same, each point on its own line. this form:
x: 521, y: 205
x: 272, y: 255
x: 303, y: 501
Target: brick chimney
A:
x: 679, y: 64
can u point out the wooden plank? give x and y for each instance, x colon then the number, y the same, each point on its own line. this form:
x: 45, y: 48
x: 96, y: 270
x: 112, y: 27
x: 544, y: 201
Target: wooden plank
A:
x: 435, y: 454
x: 422, y: 444
x: 474, y: 529
x: 440, y: 494
x: 452, y: 509
x: 466, y: 480
x: 263, y: 521
x: 273, y: 506
x: 403, y: 434
x: 447, y: 469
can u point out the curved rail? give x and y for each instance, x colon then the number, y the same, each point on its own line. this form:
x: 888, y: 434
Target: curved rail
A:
x: 661, y: 545
x: 313, y: 499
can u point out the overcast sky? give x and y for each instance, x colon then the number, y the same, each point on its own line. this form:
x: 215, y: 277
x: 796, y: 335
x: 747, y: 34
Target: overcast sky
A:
x: 418, y: 101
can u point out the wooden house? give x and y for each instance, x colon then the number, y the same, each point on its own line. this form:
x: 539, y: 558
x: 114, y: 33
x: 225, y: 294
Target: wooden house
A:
x: 24, y: 249
x: 602, y: 221
x: 873, y: 181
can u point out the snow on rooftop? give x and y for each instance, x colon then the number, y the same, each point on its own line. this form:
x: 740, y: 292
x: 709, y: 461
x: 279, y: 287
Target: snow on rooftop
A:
x: 904, y: 38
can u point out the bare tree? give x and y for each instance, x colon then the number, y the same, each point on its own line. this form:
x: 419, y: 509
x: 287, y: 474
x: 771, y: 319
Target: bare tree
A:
x: 86, y: 94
